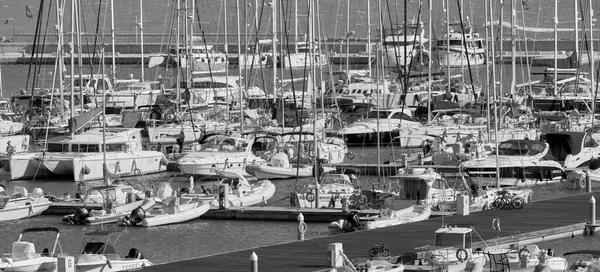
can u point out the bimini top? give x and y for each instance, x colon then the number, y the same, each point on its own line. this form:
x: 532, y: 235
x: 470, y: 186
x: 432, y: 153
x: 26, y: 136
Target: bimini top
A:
x: 521, y: 148
x: 569, y: 142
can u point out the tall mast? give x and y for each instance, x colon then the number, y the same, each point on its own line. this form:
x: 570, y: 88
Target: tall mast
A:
x: 227, y: 91
x: 178, y: 56
x: 59, y: 51
x: 239, y: 48
x: 500, y: 74
x: 513, y: 46
x: 112, y: 37
x: 348, y: 38
x: 79, y: 56
x: 592, y: 71
x: 429, y: 66
x: 487, y: 70
x: 72, y: 53
x: 556, y: 45
x: 576, y: 16
x: 142, y: 38
x: 493, y: 85
x: 274, y: 44
x: 296, y: 26
x: 104, y: 167
x: 447, y: 9
x: 369, y: 35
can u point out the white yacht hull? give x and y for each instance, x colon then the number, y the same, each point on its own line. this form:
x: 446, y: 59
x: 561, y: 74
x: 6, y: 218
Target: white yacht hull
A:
x: 274, y: 172
x: 99, y: 263
x: 132, y: 100
x: 260, y: 194
x: 206, y: 163
x: 179, y: 217
x: 167, y: 134
x: 458, y: 59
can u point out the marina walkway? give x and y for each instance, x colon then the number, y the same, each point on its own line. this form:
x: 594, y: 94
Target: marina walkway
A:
x: 537, y: 218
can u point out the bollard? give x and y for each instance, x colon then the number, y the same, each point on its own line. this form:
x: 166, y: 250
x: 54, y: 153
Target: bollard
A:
x: 66, y: 264
x: 253, y: 262
x: 592, y: 210
x: 301, y: 227
x: 344, y: 204
x: 588, y: 181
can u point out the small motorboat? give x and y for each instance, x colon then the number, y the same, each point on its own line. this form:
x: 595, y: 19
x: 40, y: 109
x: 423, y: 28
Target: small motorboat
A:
x: 100, y: 254
x: 24, y: 258
x: 173, y: 211
x: 21, y: 204
x: 110, y: 212
x: 240, y: 192
x: 386, y: 218
x: 330, y: 191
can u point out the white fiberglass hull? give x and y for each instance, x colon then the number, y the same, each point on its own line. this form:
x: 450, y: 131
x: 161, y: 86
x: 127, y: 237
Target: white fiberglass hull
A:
x: 41, y: 264
x: 408, y: 215
x: 100, y: 263
x: 132, y: 100
x: 102, y: 217
x: 27, y: 207
x: 273, y: 172
x: 179, y: 217
x: 457, y: 58
x: 260, y: 194
x: 205, y: 163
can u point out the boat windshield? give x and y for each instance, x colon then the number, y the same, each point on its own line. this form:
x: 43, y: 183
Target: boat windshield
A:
x: 390, y: 115
x: 521, y: 148
x: 228, y: 144
x: 330, y: 179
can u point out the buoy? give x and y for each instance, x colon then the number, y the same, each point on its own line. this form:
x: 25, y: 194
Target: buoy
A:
x: 86, y: 170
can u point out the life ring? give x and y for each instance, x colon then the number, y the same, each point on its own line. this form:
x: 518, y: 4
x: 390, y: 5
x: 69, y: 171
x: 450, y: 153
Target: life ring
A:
x: 524, y: 252
x: 311, y: 153
x: 137, y: 172
x: 302, y: 227
x: 350, y: 155
x: 582, y: 182
x: 462, y: 254
x: 310, y: 197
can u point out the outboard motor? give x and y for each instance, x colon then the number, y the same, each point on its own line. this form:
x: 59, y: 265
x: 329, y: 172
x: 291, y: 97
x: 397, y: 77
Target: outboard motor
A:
x: 352, y: 221
x: 80, y: 215
x: 136, y: 217
x: 134, y: 253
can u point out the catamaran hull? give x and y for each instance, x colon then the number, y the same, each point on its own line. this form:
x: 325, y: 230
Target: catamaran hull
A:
x: 26, y: 166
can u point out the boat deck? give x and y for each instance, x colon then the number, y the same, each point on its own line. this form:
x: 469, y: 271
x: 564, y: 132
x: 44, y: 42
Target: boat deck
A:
x: 537, y: 219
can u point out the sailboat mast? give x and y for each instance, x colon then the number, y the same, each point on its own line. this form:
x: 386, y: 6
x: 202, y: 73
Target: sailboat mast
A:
x: 500, y: 65
x: 311, y: 62
x: 104, y: 167
x: 429, y: 65
x: 576, y: 19
x: 79, y: 56
x: 112, y: 37
x: 142, y: 39
x: 447, y: 10
x: 592, y: 70
x: 348, y: 38
x: 296, y: 26
x: 513, y: 46
x: 178, y: 56
x: 274, y: 44
x: 556, y: 45
x: 495, y: 94
x: 59, y: 51
x: 72, y: 53
x: 227, y: 90
x: 369, y: 35
x: 239, y: 49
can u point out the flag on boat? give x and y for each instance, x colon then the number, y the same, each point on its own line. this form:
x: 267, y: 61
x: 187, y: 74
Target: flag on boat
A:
x: 28, y: 12
x: 525, y: 6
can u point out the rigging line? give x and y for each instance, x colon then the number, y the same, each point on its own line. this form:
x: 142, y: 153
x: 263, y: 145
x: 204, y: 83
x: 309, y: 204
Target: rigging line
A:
x: 87, y: 42
x: 169, y: 41
x: 527, y: 64
x: 287, y: 41
x: 95, y: 47
x: 337, y: 20
x: 462, y: 26
x: 210, y: 72
x: 33, y: 51
x: 258, y: 50
x: 395, y: 46
x: 39, y: 59
x: 304, y: 87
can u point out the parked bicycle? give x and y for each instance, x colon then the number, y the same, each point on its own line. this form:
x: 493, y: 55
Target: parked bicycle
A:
x: 379, y: 251
x: 507, y: 202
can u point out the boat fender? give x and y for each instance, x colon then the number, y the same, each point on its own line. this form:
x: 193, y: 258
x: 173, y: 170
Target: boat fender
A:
x: 293, y: 199
x: 524, y: 252
x: 350, y: 155
x: 310, y: 196
x: 137, y: 172
x: 164, y: 161
x: 108, y: 263
x: 86, y: 170
x: 462, y: 254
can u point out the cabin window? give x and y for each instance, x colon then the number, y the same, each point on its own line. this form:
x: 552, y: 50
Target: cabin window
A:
x: 56, y: 148
x: 85, y: 148
x: 438, y: 184
x: 403, y: 116
x: 453, y: 239
x: 115, y: 147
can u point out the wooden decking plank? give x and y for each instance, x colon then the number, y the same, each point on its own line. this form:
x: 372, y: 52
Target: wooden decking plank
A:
x: 310, y: 255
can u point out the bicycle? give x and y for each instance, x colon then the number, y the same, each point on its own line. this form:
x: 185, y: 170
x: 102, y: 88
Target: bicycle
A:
x: 379, y: 250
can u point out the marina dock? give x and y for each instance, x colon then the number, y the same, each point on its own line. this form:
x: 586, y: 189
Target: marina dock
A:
x: 543, y: 219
